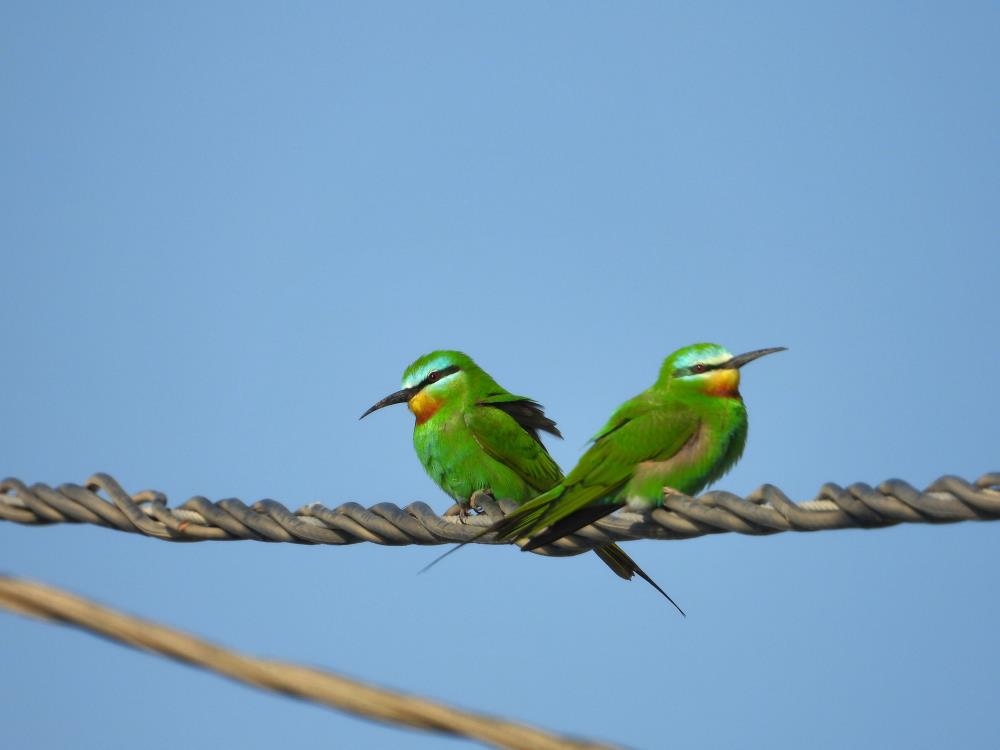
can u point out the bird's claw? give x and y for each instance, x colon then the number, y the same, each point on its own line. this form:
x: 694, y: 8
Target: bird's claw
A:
x: 462, y: 509
x: 458, y: 509
x: 478, y: 506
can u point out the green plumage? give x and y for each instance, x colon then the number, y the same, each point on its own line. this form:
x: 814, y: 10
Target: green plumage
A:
x: 472, y: 435
x: 683, y: 433
x: 472, y: 444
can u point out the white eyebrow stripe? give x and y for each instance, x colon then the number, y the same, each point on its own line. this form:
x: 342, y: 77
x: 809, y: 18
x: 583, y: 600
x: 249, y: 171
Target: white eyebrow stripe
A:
x: 415, y: 380
x: 716, y: 360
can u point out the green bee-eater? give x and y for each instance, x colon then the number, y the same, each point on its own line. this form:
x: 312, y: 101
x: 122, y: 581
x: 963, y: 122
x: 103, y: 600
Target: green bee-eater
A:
x: 472, y: 435
x: 683, y: 433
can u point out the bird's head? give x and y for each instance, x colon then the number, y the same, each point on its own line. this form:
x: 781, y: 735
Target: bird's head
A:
x: 432, y: 381
x: 707, y: 369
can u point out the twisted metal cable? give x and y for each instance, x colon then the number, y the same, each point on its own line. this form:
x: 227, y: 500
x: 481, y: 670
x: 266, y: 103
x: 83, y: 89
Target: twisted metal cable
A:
x: 767, y: 510
x: 306, y: 683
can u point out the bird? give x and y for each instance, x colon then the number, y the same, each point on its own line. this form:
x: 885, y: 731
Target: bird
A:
x: 472, y: 435
x: 680, y: 435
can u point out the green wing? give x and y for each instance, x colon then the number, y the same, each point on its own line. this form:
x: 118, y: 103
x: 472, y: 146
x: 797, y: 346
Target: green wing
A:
x: 505, y: 426
x: 503, y: 438
x: 639, y: 431
x: 636, y: 433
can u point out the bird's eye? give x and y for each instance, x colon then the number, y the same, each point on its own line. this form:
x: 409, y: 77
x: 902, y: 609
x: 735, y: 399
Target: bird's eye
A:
x: 434, y: 376
x: 699, y: 368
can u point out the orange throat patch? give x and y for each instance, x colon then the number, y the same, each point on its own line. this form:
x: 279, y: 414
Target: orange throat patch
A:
x: 724, y: 383
x: 423, y: 406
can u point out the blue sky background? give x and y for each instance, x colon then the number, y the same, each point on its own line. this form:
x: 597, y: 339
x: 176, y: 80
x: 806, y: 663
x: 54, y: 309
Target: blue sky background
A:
x: 228, y: 228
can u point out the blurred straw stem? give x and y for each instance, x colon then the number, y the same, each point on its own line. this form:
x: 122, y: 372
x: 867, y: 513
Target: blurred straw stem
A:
x: 366, y: 701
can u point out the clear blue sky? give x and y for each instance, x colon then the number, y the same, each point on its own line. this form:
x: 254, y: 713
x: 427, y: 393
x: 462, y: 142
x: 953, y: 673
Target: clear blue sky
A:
x: 227, y: 228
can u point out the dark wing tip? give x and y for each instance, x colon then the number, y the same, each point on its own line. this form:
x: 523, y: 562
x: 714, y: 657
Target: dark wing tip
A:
x: 529, y: 415
x: 543, y: 422
x: 552, y: 429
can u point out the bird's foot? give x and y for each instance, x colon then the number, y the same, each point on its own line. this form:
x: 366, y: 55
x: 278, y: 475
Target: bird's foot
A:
x: 671, y: 492
x: 458, y: 509
x: 472, y: 504
x: 476, y: 504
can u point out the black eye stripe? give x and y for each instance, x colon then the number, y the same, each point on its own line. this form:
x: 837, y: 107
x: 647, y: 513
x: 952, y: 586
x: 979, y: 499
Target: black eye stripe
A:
x: 692, y: 371
x: 437, y: 375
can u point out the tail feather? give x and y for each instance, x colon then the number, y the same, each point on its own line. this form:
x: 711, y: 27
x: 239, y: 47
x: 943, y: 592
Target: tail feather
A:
x: 518, y: 522
x: 615, y: 558
x: 573, y: 522
x: 525, y: 518
x: 514, y: 525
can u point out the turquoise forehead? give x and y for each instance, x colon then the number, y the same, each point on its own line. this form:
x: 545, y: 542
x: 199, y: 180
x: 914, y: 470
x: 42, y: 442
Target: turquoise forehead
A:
x: 706, y: 353
x: 434, y: 361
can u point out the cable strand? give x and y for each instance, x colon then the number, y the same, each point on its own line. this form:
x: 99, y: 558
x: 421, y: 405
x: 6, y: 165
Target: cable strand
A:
x: 102, y: 501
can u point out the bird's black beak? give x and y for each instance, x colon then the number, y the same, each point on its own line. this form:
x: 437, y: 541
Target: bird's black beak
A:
x: 399, y: 397
x: 741, y: 359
